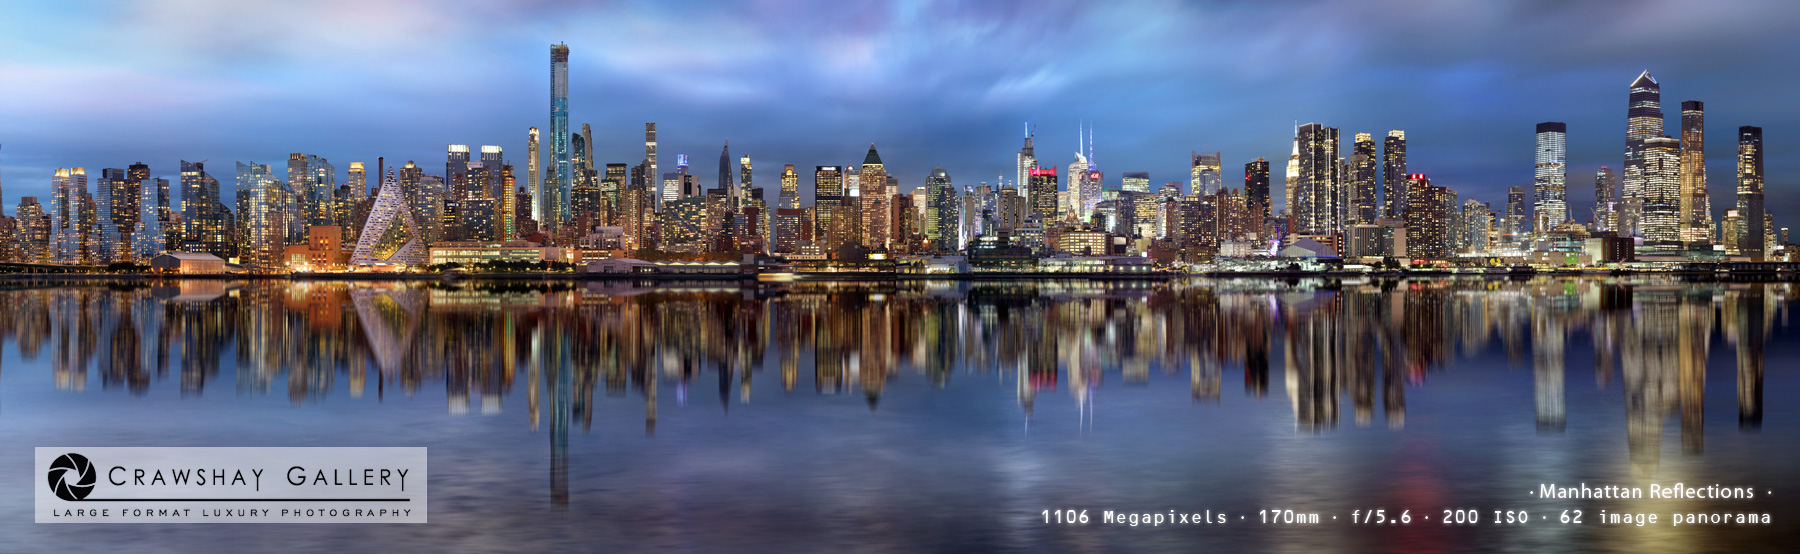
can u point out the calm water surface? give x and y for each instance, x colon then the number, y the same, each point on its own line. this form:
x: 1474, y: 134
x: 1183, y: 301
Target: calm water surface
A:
x: 878, y: 417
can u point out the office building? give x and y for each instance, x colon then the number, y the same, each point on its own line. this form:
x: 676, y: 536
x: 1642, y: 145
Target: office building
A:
x: 1750, y: 193
x: 1644, y: 121
x: 1659, y: 174
x: 1696, y: 207
x: 1550, y: 181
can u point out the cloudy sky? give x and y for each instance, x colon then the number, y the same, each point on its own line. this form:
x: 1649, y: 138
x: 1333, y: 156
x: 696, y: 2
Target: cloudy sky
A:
x: 105, y: 84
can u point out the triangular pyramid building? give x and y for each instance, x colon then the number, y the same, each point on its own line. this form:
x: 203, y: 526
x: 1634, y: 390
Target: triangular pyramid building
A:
x: 390, y: 237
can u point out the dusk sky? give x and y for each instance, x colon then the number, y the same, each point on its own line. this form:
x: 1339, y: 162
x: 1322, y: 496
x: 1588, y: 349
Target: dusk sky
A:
x: 106, y: 84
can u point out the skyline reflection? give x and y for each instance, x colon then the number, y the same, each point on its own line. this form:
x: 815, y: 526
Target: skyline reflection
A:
x: 1365, y: 342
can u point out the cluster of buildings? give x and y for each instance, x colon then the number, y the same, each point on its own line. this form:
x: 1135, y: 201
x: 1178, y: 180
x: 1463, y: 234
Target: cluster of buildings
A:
x: 1362, y: 204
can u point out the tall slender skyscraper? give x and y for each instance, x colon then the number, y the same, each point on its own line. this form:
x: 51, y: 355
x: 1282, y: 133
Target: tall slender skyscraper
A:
x: 1643, y: 121
x: 1256, y: 191
x: 650, y: 174
x: 726, y: 183
x: 1550, y: 183
x: 534, y: 177
x: 940, y: 211
x: 1027, y: 159
x: 559, y: 138
x: 874, y: 200
x: 1696, y: 207
x: 1606, y: 200
x: 1750, y: 192
x: 1362, y: 205
x: 1393, y: 174
x: 744, y: 184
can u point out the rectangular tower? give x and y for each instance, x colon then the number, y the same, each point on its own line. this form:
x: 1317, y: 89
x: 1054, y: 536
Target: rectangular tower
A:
x: 1550, y: 181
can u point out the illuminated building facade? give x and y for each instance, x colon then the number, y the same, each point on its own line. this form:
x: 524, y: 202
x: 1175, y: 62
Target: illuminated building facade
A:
x: 1204, y: 175
x: 1041, y: 194
x: 1428, y: 216
x: 1696, y: 208
x: 557, y: 198
x: 1393, y: 174
x: 1318, y: 201
x: 1750, y: 192
x: 1362, y: 204
x: 1643, y: 121
x: 1660, y: 175
x: 1550, y: 180
x: 391, y: 238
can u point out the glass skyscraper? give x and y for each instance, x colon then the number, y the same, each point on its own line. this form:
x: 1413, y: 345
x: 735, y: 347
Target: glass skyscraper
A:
x: 1750, y: 191
x: 1644, y: 121
x: 559, y: 137
x: 1551, y: 179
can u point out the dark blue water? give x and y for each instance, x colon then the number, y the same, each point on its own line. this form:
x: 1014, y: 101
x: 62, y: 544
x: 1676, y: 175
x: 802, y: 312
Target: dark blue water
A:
x: 906, y: 417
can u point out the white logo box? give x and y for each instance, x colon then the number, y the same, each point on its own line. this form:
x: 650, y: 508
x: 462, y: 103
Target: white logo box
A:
x: 84, y: 484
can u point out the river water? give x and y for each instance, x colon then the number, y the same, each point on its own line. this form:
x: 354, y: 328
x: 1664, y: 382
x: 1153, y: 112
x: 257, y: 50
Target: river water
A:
x: 934, y: 416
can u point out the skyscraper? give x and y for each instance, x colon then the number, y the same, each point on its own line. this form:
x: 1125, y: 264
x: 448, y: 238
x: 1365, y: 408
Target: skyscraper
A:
x: 940, y: 211
x: 262, y: 220
x: 1606, y: 200
x: 1027, y: 157
x: 558, y: 198
x: 1550, y: 182
x: 509, y: 207
x: 105, y: 236
x: 1518, y: 212
x: 1696, y: 207
x: 148, y: 239
x: 1319, y: 196
x: 68, y: 236
x: 1134, y: 181
x: 1643, y: 121
x: 1428, y: 214
x: 790, y: 188
x: 456, y: 172
x: 744, y: 183
x: 1256, y: 192
x: 493, y: 158
x: 726, y: 183
x: 1362, y: 205
x: 1042, y: 200
x: 1203, y: 173
x: 828, y: 197
x: 1393, y: 174
x: 650, y: 161
x: 874, y: 201
x: 534, y: 178
x: 1660, y: 175
x: 359, y: 180
x: 207, y: 222
x: 1750, y: 192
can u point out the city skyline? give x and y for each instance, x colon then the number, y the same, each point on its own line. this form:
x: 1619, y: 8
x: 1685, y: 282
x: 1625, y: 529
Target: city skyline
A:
x: 1478, y: 165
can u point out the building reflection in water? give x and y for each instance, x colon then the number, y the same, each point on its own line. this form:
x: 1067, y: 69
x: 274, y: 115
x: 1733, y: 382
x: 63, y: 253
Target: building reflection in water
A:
x: 1359, y: 341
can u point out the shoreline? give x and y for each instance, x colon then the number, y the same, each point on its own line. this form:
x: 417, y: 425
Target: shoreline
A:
x: 888, y: 276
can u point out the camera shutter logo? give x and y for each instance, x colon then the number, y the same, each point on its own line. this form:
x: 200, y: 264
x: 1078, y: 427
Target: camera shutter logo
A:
x: 71, y: 476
